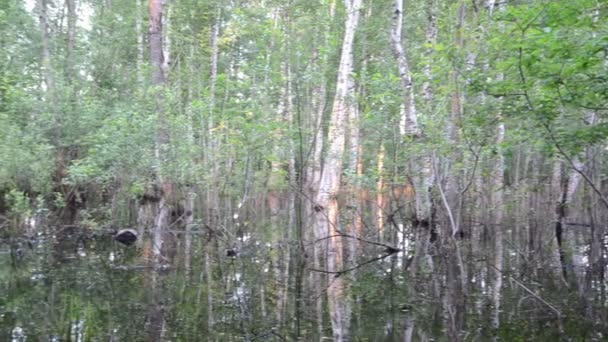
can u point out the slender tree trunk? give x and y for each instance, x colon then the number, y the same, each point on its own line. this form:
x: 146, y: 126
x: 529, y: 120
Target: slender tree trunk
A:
x: 166, y: 37
x: 567, y: 195
x: 431, y: 36
x: 66, y: 214
x: 165, y: 185
x: 380, y: 195
x: 140, y: 42
x: 209, y: 283
x: 409, y: 120
x: 498, y: 182
x: 313, y: 170
x: 326, y: 201
x: 47, y: 69
x: 161, y: 222
x: 71, y: 39
x: 455, y: 295
x: 288, y: 117
x: 189, y: 201
x: 497, y: 213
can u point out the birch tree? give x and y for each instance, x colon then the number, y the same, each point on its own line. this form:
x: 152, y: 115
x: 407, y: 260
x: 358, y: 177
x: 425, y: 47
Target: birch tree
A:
x: 326, y: 201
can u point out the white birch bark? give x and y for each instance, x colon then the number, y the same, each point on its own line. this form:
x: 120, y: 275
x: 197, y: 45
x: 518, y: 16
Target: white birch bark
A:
x: 497, y: 198
x: 409, y: 121
x: 166, y: 37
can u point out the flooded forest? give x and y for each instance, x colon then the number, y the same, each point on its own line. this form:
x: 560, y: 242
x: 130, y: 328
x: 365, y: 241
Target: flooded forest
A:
x: 303, y: 170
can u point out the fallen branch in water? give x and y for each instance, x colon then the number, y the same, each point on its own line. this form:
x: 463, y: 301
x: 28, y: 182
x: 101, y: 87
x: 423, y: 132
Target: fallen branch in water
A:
x: 357, y: 266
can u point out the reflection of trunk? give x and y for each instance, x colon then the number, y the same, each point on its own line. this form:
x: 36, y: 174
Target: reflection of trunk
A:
x: 209, y: 282
x: 156, y: 315
x: 380, y: 205
x: 326, y: 201
x: 497, y: 175
x: 189, y: 222
x: 595, y: 270
x: 566, y: 196
x: 148, y: 207
x: 276, y: 256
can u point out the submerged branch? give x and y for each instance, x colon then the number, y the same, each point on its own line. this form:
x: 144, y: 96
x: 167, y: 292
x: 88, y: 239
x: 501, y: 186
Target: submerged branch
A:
x: 357, y: 266
x: 389, y: 249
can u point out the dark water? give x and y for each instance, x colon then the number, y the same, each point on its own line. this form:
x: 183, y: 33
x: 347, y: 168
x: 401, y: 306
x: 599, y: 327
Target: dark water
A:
x: 92, y: 288
x: 88, y: 287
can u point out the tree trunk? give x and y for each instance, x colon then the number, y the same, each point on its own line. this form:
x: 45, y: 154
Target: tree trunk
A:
x: 140, y: 42
x: 497, y: 203
x: 498, y: 182
x: 326, y: 201
x: 380, y: 195
x: 454, y: 303
x: 431, y: 37
x: 71, y: 5
x: 161, y: 221
x: 317, y: 280
x: 47, y: 70
x: 409, y: 120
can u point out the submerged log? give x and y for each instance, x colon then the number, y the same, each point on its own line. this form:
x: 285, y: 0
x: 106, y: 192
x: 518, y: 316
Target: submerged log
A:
x: 126, y: 236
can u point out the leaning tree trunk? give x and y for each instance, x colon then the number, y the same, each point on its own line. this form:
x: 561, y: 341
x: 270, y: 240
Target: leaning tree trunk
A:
x: 326, y: 201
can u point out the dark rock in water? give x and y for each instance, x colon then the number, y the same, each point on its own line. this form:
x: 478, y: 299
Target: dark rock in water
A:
x: 126, y: 236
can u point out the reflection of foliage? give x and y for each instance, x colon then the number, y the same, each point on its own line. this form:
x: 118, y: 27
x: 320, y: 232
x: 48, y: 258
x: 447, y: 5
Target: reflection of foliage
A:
x: 50, y: 299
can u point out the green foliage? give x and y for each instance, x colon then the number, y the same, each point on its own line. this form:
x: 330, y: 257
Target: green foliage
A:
x: 553, y: 66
